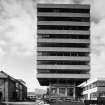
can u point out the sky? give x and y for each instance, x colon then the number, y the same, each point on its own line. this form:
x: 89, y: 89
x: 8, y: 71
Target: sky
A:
x: 18, y: 38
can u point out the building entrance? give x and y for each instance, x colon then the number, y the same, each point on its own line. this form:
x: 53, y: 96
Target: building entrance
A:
x: 64, y: 91
x: 1, y: 95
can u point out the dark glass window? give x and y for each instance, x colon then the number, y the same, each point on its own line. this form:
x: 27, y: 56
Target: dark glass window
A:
x: 64, y: 36
x: 69, y: 91
x: 62, y: 91
x: 75, y: 45
x: 94, y: 95
x: 62, y: 71
x: 65, y: 10
x: 50, y: 53
x: 76, y: 19
x: 62, y: 27
x: 94, y: 84
x: 100, y: 84
x: 55, y: 62
x: 53, y: 91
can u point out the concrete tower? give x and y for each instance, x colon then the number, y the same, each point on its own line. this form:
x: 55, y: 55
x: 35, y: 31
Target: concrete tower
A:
x: 63, y: 47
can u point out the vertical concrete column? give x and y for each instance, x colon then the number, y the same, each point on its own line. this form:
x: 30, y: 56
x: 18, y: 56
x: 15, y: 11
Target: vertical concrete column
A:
x: 50, y: 90
x: 74, y: 92
x: 65, y: 91
x: 57, y: 90
x: 6, y: 90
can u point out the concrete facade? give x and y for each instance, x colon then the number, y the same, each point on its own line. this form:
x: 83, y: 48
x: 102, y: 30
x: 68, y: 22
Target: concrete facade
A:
x: 63, y: 46
x: 9, y: 90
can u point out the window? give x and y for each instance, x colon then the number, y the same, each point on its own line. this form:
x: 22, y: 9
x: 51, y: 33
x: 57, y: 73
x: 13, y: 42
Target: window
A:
x: 48, y: 53
x: 63, y: 71
x: 64, y: 36
x: 65, y: 10
x: 62, y: 27
x: 20, y: 86
x: 75, y: 45
x: 83, y: 88
x: 76, y: 19
x: 55, y: 62
x: 17, y: 85
x: 103, y: 84
x: 62, y: 91
x: 94, y: 84
x: 100, y: 83
x: 102, y: 94
x: 1, y: 82
x: 89, y: 86
x: 86, y: 87
x: 40, y: 54
x: 54, y: 90
x: 86, y: 96
x: 94, y: 95
x: 69, y: 91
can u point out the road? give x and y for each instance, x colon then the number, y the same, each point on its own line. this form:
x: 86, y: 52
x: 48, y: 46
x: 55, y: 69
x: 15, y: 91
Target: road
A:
x: 41, y: 103
x: 23, y: 103
x: 38, y: 102
x: 19, y: 103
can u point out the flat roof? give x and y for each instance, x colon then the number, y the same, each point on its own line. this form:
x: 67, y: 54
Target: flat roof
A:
x: 90, y: 81
x: 49, y: 5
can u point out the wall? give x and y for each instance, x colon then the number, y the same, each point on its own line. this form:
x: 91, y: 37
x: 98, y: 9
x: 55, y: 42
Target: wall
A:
x: 2, y: 89
x: 11, y: 90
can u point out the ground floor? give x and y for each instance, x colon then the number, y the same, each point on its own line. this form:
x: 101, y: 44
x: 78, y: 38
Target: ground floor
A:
x: 64, y: 91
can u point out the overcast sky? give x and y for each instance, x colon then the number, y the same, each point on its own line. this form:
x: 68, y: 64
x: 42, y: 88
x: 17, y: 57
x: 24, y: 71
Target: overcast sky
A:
x: 18, y: 38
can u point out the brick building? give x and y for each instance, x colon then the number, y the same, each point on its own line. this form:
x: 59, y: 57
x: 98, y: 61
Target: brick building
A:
x: 11, y: 89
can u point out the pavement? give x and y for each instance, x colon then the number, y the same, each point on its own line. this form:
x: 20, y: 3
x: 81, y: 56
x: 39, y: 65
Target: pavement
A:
x: 68, y: 103
x: 41, y: 103
x: 19, y: 103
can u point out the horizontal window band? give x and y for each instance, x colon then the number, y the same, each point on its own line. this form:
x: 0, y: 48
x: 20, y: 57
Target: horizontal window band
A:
x: 65, y: 10
x: 75, y: 19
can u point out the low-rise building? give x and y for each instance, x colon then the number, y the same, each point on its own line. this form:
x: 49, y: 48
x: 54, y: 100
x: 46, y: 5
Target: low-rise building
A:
x: 31, y: 96
x: 39, y: 93
x: 36, y: 95
x: 94, y: 89
x: 11, y: 89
